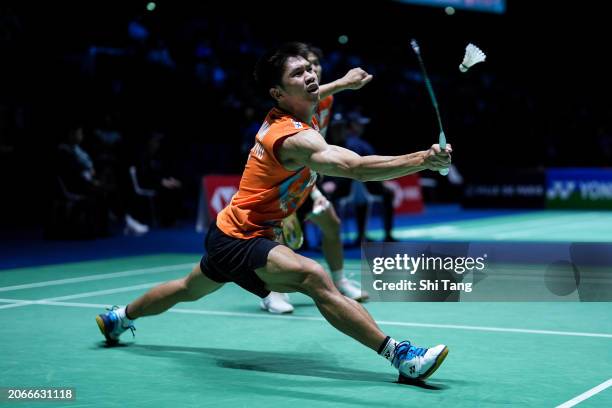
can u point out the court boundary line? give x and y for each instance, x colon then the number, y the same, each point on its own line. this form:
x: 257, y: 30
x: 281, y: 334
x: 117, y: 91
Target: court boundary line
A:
x: 20, y: 303
x: 587, y: 394
x: 57, y: 302
x: 112, y: 275
x: 87, y: 278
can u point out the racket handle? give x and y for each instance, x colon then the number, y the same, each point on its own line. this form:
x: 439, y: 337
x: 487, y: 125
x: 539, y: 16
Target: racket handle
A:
x: 442, y: 143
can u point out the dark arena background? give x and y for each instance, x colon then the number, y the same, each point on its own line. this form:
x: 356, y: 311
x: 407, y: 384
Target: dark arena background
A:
x: 157, y: 103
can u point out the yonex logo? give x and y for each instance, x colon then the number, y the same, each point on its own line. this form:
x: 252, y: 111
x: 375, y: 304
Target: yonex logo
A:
x: 585, y: 189
x: 561, y: 189
x: 401, y: 193
x: 222, y: 197
x: 596, y: 190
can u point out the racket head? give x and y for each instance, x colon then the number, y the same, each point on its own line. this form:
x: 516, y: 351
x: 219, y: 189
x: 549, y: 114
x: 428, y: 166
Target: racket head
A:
x: 292, y: 232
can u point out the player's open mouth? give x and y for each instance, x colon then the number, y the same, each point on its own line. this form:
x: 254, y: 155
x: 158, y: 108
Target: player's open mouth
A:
x: 313, y: 88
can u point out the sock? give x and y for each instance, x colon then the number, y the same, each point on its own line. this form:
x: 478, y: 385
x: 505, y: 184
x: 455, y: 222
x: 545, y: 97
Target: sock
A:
x: 387, y: 348
x: 122, y: 313
x: 338, y: 275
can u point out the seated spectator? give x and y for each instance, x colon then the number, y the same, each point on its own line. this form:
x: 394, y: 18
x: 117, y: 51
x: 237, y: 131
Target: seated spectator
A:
x: 154, y: 174
x: 351, y: 135
x: 78, y: 174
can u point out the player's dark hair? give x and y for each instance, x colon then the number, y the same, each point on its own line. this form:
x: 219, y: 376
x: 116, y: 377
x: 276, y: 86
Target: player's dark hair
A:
x: 269, y: 69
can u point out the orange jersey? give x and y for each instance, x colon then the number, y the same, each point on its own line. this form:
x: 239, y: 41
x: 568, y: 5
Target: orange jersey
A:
x: 268, y: 192
x: 324, y: 114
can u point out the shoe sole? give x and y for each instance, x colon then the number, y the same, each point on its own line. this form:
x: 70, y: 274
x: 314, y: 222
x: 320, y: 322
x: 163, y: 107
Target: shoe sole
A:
x: 439, y: 361
x: 276, y: 312
x: 265, y: 309
x: 103, y: 330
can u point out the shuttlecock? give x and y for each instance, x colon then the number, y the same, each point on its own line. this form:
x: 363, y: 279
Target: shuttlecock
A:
x: 473, y: 55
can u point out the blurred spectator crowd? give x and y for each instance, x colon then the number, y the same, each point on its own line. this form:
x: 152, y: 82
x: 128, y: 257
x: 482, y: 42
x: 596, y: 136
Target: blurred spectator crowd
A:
x: 122, y: 112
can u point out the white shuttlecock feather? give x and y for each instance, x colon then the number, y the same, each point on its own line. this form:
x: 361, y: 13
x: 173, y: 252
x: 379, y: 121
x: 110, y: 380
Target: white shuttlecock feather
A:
x: 473, y: 55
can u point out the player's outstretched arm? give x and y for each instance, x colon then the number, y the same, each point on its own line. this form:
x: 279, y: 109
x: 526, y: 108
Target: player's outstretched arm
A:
x: 355, y: 78
x: 308, y: 148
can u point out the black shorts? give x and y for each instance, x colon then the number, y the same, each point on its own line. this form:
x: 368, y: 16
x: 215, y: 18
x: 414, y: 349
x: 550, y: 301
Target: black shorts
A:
x: 231, y: 259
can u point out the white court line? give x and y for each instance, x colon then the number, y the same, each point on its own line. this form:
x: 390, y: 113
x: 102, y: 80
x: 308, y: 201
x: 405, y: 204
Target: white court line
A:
x: 567, y: 225
x: 20, y: 303
x: 50, y: 302
x: 130, y: 272
x: 522, y: 224
x: 587, y: 394
x: 506, y: 226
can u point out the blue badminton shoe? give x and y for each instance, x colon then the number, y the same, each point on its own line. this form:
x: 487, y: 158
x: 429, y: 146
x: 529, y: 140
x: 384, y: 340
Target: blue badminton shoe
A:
x: 415, y: 363
x: 112, y: 325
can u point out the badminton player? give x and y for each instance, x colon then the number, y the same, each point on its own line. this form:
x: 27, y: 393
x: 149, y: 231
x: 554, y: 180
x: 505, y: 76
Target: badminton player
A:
x: 278, y: 176
x: 326, y: 219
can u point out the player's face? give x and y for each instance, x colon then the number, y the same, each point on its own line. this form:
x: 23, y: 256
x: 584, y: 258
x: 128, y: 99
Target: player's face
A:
x: 299, y: 79
x: 316, y: 65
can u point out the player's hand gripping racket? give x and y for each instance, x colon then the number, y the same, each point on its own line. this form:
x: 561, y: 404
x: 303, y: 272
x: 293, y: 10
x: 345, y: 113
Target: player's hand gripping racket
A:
x: 432, y: 96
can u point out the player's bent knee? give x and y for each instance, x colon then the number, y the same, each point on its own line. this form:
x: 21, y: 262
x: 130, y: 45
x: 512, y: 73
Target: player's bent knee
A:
x: 316, y: 281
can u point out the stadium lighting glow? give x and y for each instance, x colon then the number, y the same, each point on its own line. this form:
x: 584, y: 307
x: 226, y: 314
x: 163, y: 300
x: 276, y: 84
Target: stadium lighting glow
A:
x: 343, y: 39
x: 151, y: 6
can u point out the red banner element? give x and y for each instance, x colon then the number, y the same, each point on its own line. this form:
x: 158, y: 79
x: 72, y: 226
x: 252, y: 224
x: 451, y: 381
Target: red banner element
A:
x: 408, y: 197
x: 218, y: 191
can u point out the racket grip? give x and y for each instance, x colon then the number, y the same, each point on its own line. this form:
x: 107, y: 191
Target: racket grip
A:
x: 442, y: 143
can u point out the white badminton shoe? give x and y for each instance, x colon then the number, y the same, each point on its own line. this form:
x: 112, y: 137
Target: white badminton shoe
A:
x: 415, y: 363
x: 277, y: 303
x: 351, y: 289
x: 112, y: 325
